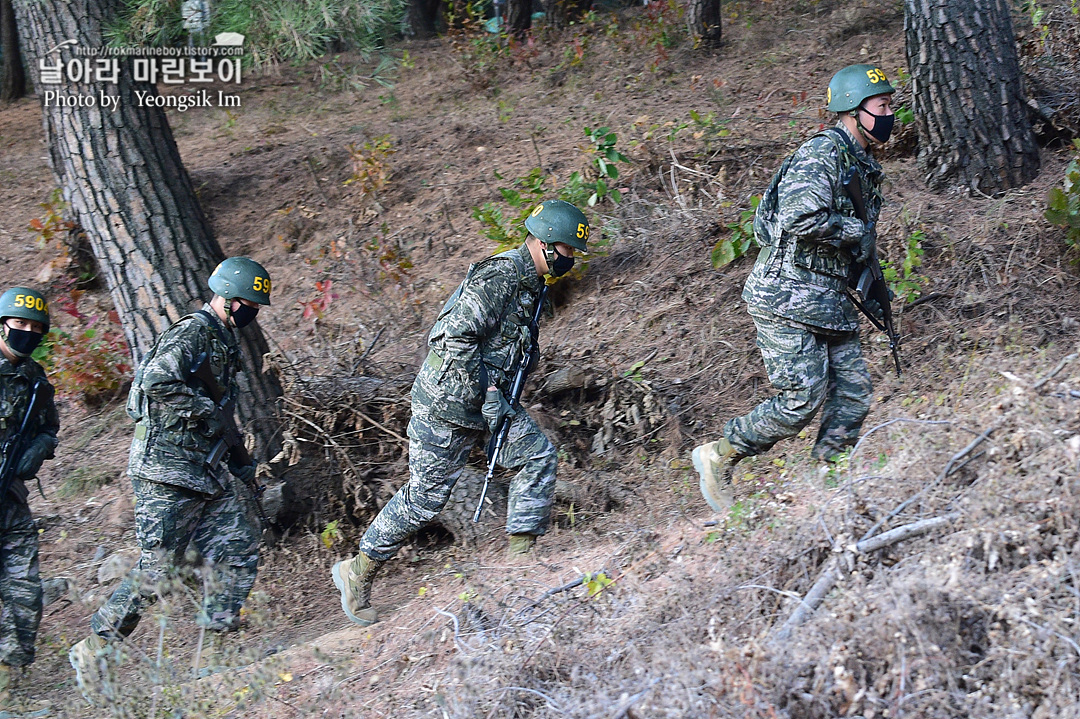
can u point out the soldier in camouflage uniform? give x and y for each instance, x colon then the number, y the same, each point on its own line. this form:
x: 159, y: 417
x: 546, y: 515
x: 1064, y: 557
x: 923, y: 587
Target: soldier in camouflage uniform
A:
x: 807, y: 326
x: 25, y: 319
x: 460, y: 393
x: 183, y: 502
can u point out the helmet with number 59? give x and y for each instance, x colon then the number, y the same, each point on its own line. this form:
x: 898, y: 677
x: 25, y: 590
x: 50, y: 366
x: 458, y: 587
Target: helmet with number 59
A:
x: 558, y: 221
x: 853, y: 84
x: 241, y: 278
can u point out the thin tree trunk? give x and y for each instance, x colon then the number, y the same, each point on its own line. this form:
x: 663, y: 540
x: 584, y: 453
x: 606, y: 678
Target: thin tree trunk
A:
x: 968, y: 95
x: 121, y: 173
x: 518, y: 17
x: 703, y: 17
x: 12, y: 77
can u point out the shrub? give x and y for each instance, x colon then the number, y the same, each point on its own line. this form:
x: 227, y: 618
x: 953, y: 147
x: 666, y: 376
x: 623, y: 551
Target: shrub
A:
x: 1064, y: 202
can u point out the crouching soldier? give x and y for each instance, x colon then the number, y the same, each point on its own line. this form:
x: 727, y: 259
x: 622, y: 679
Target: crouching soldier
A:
x: 28, y: 426
x: 460, y: 394
x: 186, y: 493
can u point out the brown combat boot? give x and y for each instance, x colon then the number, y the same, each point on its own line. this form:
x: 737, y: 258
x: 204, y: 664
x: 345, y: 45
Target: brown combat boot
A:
x: 6, y: 670
x: 89, y: 658
x: 354, y: 578
x: 715, y: 462
x: 521, y: 544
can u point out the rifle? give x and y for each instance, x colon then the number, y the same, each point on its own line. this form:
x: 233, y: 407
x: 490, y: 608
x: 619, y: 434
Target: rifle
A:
x: 866, y: 280
x: 231, y: 441
x: 17, y: 442
x: 498, y: 438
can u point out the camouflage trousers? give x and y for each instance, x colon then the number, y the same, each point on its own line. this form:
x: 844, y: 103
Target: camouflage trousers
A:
x: 810, y: 370
x: 173, y: 526
x: 20, y: 584
x: 438, y: 452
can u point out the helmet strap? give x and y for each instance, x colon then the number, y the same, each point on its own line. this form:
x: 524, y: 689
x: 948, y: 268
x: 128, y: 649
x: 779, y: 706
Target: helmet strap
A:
x: 549, y: 256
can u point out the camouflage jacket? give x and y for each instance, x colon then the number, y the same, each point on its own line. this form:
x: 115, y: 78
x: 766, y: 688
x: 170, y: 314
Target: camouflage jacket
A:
x: 15, y: 383
x: 177, y: 424
x: 802, y: 270
x: 479, y: 336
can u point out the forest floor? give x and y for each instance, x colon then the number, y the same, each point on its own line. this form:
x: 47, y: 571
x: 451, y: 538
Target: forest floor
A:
x: 977, y: 618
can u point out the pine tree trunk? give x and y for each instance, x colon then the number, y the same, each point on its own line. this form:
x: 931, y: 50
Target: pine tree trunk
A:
x: 518, y: 17
x: 12, y: 77
x: 703, y: 17
x: 421, y: 17
x: 120, y: 171
x: 969, y: 105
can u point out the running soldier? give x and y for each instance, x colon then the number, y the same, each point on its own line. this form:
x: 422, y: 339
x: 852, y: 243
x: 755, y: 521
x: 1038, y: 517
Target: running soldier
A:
x: 25, y: 320
x: 807, y: 326
x: 460, y: 394
x: 184, y: 493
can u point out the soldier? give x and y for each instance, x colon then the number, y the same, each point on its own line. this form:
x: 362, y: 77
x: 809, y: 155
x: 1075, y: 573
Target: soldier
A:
x: 181, y: 497
x: 807, y: 327
x: 459, y: 392
x: 25, y: 320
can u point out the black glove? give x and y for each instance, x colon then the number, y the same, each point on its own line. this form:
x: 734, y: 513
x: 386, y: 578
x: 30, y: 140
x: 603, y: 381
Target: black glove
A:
x: 874, y: 308
x: 867, y: 245
x: 244, y: 472
x: 495, y: 408
x: 37, y: 452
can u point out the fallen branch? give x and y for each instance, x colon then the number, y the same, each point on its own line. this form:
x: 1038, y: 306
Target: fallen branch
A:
x: 1054, y: 372
x: 831, y: 573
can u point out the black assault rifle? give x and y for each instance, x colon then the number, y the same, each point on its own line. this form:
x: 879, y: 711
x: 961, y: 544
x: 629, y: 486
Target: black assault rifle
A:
x: 866, y: 280
x: 498, y: 438
x: 16, y: 443
x: 231, y: 441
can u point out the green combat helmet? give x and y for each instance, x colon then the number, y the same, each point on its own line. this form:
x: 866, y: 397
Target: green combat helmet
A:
x: 855, y: 83
x: 241, y: 278
x: 26, y: 304
x: 558, y: 221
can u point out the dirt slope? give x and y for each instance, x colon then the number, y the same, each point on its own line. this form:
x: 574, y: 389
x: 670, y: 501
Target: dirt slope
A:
x: 974, y: 620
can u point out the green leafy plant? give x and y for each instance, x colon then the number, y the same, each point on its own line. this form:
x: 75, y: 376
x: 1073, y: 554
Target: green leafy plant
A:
x: 741, y: 239
x: 478, y: 52
x: 904, y: 280
x: 1064, y: 202
x: 708, y: 128
x: 331, y: 534
x: 659, y: 28
x: 905, y: 115
x: 371, y: 170
x: 603, y: 161
x: 596, y: 582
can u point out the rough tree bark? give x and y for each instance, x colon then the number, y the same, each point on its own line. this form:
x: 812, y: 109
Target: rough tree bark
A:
x: 12, y: 77
x: 421, y: 18
x: 968, y: 96
x: 703, y: 18
x: 518, y: 17
x: 120, y: 171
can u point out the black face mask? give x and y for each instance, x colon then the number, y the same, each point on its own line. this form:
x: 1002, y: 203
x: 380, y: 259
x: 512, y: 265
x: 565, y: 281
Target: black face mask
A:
x: 883, y: 126
x: 243, y: 315
x: 558, y: 264
x: 21, y: 342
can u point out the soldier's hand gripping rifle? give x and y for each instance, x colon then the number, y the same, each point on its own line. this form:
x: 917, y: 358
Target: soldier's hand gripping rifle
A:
x: 16, y: 443
x: 498, y: 437
x: 866, y: 280
x: 231, y: 442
